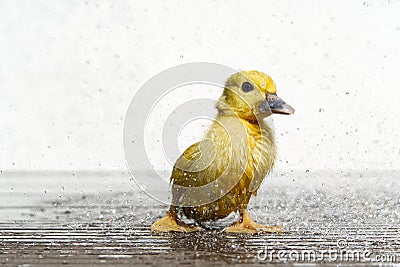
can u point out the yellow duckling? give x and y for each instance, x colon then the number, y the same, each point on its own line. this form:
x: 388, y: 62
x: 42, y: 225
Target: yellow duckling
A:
x: 218, y: 175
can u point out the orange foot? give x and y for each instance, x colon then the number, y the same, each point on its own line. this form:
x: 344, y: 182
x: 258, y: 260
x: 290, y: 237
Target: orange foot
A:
x: 247, y: 226
x: 170, y: 223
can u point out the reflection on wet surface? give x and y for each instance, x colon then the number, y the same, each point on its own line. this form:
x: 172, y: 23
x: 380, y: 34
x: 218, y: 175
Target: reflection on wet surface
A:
x: 351, y: 222
x: 103, y: 243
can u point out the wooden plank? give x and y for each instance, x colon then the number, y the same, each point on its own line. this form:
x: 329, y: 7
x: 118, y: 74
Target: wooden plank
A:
x: 102, y: 227
x: 96, y: 244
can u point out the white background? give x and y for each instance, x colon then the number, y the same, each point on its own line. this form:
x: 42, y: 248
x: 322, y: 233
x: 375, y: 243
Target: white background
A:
x: 69, y: 69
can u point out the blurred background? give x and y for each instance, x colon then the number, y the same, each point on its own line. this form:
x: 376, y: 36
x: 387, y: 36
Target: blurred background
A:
x: 69, y: 69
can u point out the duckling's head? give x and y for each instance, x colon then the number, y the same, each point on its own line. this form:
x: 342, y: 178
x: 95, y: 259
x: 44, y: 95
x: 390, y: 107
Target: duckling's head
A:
x: 251, y: 95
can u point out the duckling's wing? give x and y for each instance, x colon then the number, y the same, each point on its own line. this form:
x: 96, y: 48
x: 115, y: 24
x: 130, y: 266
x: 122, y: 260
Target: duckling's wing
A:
x: 183, y: 165
x: 197, y: 166
x: 205, y: 173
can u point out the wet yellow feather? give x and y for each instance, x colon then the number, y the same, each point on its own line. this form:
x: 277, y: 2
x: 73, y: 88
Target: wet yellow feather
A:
x: 238, y: 143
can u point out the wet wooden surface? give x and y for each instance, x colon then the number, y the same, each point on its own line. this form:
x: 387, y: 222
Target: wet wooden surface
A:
x: 103, y: 227
x: 38, y: 243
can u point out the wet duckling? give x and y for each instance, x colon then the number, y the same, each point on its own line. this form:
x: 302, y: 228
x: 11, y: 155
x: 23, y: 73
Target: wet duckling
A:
x: 218, y: 175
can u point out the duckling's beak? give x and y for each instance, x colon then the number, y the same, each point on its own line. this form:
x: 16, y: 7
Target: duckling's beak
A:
x: 278, y: 106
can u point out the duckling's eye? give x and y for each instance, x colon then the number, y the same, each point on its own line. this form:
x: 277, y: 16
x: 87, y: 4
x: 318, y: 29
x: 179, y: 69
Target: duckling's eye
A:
x: 247, y: 87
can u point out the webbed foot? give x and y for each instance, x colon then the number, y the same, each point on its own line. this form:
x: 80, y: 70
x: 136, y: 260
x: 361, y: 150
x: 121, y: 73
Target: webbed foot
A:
x: 170, y: 223
x: 247, y: 226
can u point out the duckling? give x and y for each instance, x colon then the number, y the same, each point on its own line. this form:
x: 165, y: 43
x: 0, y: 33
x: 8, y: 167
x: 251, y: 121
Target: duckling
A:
x: 218, y: 175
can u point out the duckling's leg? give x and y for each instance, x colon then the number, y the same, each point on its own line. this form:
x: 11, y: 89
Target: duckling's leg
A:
x: 247, y: 226
x: 171, y: 223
